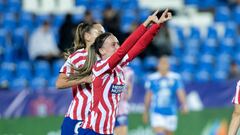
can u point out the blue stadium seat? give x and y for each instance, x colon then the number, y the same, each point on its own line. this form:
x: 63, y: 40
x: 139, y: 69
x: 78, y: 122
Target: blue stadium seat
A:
x: 24, y: 70
x: 150, y: 63
x: 202, y: 76
x: 174, y: 63
x: 191, y: 2
x: 236, y: 14
x: 14, y: 5
x: 96, y: 16
x: 42, y: 69
x: 220, y: 75
x: 116, y: 4
x: 209, y: 46
x: 76, y: 18
x: 207, y: 4
x: 180, y: 33
x: 3, y: 36
x: 2, y: 6
x: 85, y: 3
x: 187, y: 76
x: 177, y: 49
x: 143, y: 14
x: 191, y: 46
x: 136, y: 65
x: 222, y: 14
x: 18, y: 84
x: 126, y: 27
x: 189, y: 63
x: 212, y: 32
x: 227, y: 45
x: 58, y: 20
x: 236, y: 57
x: 8, y: 56
x: 7, y: 70
x: 57, y: 66
x: 223, y: 61
x: 38, y: 83
x: 128, y: 15
x: 195, y: 33
x: 52, y: 82
x: 26, y: 21
x: 130, y: 4
x: 9, y: 21
x: 100, y: 6
x: 230, y: 30
x: 207, y: 61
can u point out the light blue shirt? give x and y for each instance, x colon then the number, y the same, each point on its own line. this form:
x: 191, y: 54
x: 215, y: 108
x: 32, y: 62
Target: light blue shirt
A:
x: 164, y: 92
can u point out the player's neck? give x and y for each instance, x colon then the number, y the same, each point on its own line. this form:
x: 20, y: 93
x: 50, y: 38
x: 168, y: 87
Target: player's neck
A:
x: 163, y: 73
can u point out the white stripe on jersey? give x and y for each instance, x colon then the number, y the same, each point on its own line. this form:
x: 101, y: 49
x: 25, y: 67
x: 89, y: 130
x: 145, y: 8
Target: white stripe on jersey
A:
x: 93, y: 122
x: 236, y: 97
x: 104, y: 69
x: 80, y: 105
x: 69, y: 108
x: 115, y: 106
x: 81, y: 62
x: 100, y: 107
x: 77, y: 55
x: 89, y: 99
x: 72, y: 108
x: 106, y: 100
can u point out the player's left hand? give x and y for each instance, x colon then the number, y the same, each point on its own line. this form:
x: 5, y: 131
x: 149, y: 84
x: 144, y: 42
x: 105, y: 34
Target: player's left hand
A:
x: 166, y: 15
x: 184, y: 109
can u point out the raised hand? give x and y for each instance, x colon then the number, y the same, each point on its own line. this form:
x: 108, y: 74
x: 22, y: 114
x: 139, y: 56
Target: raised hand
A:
x: 165, y: 17
x: 151, y: 18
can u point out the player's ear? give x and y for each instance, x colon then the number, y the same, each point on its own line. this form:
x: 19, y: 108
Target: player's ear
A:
x: 102, y: 51
x: 87, y: 36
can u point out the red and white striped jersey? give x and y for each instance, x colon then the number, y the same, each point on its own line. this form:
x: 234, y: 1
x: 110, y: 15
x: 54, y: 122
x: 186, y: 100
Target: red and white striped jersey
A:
x: 81, y: 102
x: 236, y: 98
x: 109, y: 81
x: 123, y: 107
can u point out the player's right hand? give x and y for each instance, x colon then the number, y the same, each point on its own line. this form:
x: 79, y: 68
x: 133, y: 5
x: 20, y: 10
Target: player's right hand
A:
x: 151, y: 19
x: 88, y: 79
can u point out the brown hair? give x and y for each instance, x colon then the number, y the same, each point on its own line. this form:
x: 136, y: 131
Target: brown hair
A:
x: 79, y: 40
x: 86, y: 69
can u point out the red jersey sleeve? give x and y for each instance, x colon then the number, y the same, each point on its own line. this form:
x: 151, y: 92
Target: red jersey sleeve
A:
x: 141, y: 44
x: 113, y: 61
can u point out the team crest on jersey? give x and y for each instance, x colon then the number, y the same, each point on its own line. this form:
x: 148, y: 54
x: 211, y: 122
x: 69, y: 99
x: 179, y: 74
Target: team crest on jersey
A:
x: 117, y: 88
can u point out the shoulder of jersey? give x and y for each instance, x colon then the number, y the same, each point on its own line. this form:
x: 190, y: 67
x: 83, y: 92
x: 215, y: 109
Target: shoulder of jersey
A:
x: 79, y: 52
x: 153, y: 76
x: 174, y: 75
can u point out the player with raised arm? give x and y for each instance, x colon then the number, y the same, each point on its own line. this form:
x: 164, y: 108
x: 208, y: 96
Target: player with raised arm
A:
x: 108, y: 82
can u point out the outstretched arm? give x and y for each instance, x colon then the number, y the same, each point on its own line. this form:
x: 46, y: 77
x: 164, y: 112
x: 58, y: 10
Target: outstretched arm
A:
x: 63, y: 81
x: 235, y: 122
x: 145, y: 40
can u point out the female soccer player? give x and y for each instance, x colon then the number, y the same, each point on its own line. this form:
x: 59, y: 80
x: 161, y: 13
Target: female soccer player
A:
x: 108, y: 82
x: 121, y: 124
x: 79, y: 107
x: 164, y: 87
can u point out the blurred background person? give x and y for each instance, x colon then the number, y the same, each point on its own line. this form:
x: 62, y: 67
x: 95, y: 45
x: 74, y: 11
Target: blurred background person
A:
x: 88, y: 17
x: 163, y: 89
x: 121, y: 124
x: 42, y: 44
x: 66, y: 33
x: 234, y: 72
x: 111, y: 21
